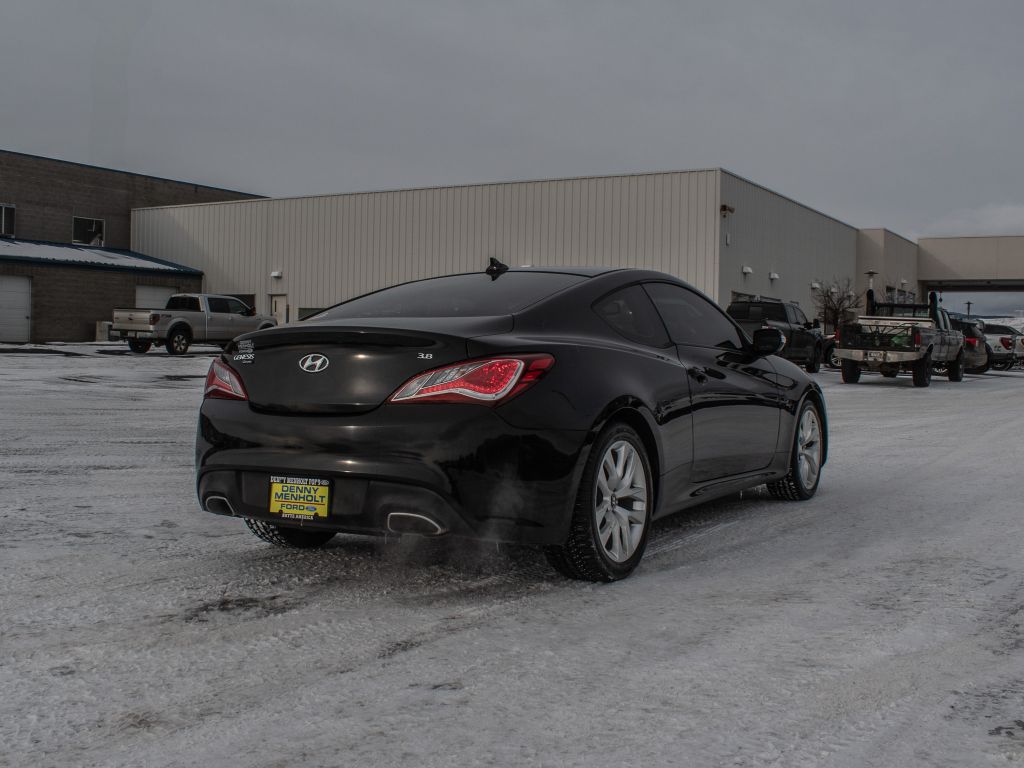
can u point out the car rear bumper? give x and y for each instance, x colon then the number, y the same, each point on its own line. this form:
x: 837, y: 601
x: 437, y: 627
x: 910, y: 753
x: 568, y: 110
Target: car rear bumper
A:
x: 119, y: 333
x: 877, y: 356
x: 434, y: 469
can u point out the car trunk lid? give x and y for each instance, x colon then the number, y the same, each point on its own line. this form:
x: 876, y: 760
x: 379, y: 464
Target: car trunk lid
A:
x: 350, y: 366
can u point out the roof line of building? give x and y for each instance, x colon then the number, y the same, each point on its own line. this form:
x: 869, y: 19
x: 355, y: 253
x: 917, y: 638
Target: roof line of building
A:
x: 181, y: 268
x: 789, y: 199
x: 965, y: 237
x: 128, y: 173
x: 507, y: 182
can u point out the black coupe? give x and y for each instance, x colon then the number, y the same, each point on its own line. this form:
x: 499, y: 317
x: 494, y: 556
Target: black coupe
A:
x: 565, y: 408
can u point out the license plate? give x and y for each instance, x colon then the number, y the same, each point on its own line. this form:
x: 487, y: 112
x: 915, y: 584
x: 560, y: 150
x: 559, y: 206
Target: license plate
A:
x: 875, y: 355
x: 302, y: 498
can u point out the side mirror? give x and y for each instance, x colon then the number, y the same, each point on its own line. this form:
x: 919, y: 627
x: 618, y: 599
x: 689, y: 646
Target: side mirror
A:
x: 768, y: 341
x: 250, y: 312
x: 816, y: 323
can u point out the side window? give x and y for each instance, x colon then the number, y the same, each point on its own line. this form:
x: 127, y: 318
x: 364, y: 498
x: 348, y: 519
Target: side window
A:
x: 799, y: 316
x: 791, y: 314
x: 692, y: 319
x: 630, y: 314
x: 219, y: 306
x: 236, y: 307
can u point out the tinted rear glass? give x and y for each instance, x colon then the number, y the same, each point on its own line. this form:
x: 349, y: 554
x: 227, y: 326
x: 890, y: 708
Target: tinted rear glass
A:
x: 474, y: 295
x: 187, y: 303
x: 1000, y: 329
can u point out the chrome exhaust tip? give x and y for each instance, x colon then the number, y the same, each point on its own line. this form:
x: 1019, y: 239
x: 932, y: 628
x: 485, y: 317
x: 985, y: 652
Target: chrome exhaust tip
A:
x: 219, y: 506
x: 410, y: 522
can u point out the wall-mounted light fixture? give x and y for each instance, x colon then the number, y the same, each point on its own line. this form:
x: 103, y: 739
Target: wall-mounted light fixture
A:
x: 773, y: 276
x: 815, y: 286
x: 725, y: 210
x: 747, y: 270
x: 277, y: 274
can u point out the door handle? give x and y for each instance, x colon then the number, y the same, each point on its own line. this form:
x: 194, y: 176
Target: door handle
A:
x: 697, y: 375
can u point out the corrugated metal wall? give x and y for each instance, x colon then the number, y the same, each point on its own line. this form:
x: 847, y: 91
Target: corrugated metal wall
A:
x: 771, y: 233
x: 333, y: 247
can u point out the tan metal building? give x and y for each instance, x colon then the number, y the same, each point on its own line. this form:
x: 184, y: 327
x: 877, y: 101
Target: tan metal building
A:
x: 720, y: 232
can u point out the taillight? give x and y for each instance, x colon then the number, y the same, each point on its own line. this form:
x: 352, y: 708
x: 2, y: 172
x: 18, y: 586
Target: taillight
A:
x: 1006, y: 341
x: 223, y: 383
x: 154, y: 319
x: 971, y: 342
x: 917, y: 338
x: 487, y: 381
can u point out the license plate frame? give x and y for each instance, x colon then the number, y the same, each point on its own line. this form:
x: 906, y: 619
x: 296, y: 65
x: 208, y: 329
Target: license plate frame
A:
x: 876, y: 357
x: 295, y: 497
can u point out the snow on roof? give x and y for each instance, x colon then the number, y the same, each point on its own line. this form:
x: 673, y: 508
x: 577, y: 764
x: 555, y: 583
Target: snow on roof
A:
x: 84, y: 255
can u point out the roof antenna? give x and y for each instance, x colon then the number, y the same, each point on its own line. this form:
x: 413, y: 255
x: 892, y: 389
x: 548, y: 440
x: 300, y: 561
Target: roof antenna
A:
x: 496, y: 269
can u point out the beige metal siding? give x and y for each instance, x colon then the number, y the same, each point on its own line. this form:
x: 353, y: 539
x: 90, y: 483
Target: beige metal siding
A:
x: 333, y: 247
x: 771, y: 233
x: 894, y: 258
x: 991, y: 262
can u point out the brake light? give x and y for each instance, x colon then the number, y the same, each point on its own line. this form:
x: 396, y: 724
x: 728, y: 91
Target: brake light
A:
x: 487, y: 381
x: 223, y: 383
x: 970, y: 342
x: 1006, y: 341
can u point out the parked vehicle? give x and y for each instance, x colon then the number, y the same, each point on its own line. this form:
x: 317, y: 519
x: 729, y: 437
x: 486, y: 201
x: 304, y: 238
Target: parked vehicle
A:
x: 894, y: 337
x: 566, y: 408
x: 804, y: 342
x: 1003, y: 344
x: 187, y: 318
x: 975, y: 347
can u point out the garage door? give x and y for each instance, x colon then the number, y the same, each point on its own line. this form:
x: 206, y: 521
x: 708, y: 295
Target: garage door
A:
x: 15, y: 308
x: 152, y: 296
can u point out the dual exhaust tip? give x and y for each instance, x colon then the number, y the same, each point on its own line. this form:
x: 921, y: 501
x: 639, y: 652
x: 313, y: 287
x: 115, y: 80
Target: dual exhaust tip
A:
x: 397, y: 522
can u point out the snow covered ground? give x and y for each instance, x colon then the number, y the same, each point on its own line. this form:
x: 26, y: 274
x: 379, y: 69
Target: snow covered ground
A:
x: 876, y: 625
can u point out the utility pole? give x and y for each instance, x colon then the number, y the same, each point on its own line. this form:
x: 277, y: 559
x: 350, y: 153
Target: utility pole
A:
x: 969, y: 304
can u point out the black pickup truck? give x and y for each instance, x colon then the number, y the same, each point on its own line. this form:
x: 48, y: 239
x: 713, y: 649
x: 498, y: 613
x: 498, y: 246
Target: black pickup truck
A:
x: 895, y: 337
x: 804, y: 341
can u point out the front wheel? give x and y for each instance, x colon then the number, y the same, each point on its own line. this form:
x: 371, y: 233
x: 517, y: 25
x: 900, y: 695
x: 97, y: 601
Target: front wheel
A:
x: 814, y: 363
x: 139, y: 346
x: 851, y: 372
x: 833, y: 360
x: 291, y: 538
x: 955, y: 370
x: 805, y: 458
x: 612, y: 513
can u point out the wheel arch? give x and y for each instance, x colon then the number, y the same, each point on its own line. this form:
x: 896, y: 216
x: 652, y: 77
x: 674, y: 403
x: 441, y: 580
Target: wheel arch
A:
x: 632, y: 412
x: 815, y: 396
x: 180, y: 324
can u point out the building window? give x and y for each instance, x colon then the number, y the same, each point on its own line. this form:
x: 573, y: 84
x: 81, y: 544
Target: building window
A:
x: 6, y: 221
x: 87, y: 231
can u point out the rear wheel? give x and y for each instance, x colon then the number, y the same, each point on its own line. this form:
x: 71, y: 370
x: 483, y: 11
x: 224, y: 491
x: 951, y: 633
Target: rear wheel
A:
x: 851, y: 372
x: 801, y: 483
x: 814, y: 364
x: 955, y: 370
x: 611, y: 517
x: 139, y: 346
x: 922, y: 371
x: 178, y: 341
x: 292, y: 538
x: 833, y: 360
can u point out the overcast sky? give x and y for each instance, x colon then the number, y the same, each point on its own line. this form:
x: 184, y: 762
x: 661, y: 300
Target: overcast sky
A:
x: 908, y: 115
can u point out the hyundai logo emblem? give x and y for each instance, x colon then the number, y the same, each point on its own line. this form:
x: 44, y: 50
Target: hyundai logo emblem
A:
x: 314, y: 363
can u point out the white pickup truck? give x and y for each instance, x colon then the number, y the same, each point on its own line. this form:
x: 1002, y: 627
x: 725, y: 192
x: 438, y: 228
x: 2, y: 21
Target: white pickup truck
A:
x: 187, y: 318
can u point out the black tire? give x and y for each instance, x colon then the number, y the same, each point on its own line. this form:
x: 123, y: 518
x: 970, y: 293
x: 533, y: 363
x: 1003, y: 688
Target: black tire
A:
x: 890, y: 374
x: 814, y: 364
x: 583, y: 555
x: 1003, y: 366
x: 139, y: 346
x: 832, y: 360
x: 955, y: 370
x: 797, y: 485
x: 178, y: 341
x: 922, y: 370
x: 851, y: 371
x: 291, y: 538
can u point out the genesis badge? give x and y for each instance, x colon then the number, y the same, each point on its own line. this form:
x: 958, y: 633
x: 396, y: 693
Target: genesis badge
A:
x: 314, y: 363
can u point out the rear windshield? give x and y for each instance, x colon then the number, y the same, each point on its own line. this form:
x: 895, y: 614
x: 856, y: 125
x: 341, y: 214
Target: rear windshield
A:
x: 902, y: 310
x: 475, y: 295
x: 756, y: 313
x: 187, y: 303
x: 1000, y: 329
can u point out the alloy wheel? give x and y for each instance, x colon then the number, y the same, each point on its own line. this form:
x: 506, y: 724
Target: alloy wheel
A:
x: 808, y: 449
x: 620, y: 504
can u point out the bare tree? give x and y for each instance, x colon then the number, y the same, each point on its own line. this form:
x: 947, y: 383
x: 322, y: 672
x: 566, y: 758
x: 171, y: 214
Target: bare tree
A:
x: 834, y: 298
